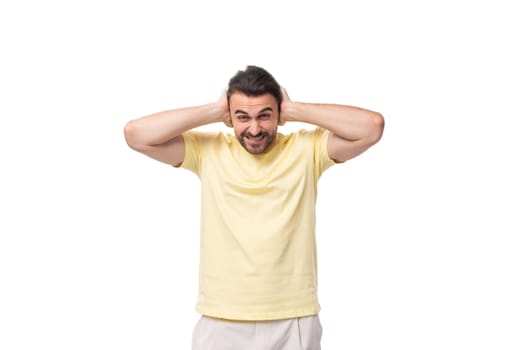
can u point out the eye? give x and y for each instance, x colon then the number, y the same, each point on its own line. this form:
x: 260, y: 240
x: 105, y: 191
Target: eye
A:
x: 243, y: 118
x: 265, y: 116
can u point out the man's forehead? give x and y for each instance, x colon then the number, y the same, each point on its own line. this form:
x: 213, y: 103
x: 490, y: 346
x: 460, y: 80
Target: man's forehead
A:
x: 252, y: 103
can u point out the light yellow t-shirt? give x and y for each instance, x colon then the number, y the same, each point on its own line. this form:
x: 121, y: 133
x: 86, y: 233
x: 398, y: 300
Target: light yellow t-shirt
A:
x: 258, y: 258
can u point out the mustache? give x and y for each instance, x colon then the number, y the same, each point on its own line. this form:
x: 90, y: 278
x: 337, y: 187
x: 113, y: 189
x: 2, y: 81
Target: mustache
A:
x: 247, y: 134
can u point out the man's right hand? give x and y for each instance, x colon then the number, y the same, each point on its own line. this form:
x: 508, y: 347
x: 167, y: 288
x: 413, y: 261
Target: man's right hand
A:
x: 159, y: 135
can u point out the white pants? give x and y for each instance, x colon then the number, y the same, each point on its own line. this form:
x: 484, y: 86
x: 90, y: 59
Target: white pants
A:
x: 303, y: 333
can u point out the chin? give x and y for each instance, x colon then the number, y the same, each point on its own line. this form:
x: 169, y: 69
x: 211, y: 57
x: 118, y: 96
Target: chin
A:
x: 257, y: 151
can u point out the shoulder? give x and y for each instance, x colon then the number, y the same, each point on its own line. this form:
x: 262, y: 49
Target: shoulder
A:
x: 203, y: 137
x: 313, y: 134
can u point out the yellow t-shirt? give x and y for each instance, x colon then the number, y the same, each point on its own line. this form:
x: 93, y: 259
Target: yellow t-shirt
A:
x: 258, y: 258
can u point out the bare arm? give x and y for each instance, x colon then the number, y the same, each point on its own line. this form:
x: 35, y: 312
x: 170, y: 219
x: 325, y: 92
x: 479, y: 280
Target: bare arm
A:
x: 159, y: 135
x: 353, y: 129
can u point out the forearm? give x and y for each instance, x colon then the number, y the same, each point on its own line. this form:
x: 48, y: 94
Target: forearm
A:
x: 348, y: 122
x: 159, y: 128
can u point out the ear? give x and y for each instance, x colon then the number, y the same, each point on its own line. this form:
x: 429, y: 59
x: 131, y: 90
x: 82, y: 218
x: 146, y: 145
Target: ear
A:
x: 228, y: 122
x: 280, y: 120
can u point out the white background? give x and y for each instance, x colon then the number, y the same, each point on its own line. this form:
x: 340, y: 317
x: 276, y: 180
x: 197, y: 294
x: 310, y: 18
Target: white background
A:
x: 421, y: 239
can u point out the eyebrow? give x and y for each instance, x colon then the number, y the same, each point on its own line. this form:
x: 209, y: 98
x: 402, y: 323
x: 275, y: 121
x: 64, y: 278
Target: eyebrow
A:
x: 266, y: 109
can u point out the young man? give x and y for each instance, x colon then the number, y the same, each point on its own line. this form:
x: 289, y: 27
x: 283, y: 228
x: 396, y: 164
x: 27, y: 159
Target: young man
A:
x: 258, y: 262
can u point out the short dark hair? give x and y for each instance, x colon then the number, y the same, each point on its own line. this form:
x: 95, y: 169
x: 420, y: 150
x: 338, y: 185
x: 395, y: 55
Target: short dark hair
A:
x: 255, y: 81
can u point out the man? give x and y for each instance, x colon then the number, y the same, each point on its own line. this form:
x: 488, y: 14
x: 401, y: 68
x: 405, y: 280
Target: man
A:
x: 258, y: 262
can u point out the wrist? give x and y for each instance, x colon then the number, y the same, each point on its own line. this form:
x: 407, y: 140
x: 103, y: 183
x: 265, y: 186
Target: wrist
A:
x: 216, y: 112
x: 291, y: 111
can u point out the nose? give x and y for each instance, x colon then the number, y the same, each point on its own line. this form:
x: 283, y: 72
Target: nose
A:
x: 254, y: 128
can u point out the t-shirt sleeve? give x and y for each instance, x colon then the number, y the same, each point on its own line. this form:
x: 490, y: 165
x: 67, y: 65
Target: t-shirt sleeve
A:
x: 192, y: 151
x: 321, y: 158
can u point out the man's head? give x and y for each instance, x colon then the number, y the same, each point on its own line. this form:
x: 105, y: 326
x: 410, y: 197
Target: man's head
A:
x: 254, y: 98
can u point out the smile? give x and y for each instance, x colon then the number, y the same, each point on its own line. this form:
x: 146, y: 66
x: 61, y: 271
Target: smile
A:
x: 255, y: 138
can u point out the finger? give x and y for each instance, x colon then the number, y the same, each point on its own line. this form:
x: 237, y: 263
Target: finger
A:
x: 284, y: 93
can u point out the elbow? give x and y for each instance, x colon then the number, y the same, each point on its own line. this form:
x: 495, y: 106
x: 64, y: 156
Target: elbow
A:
x: 131, y: 134
x: 377, y: 125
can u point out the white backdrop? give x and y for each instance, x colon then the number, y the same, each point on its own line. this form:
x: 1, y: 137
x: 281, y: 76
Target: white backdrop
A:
x: 421, y: 239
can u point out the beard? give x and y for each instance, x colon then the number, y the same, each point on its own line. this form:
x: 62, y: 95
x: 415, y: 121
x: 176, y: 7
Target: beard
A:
x: 256, y: 144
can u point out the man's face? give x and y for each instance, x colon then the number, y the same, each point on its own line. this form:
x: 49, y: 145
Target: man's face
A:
x: 254, y: 120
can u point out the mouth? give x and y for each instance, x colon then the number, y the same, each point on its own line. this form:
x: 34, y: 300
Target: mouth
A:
x: 256, y: 144
x: 255, y: 138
